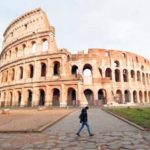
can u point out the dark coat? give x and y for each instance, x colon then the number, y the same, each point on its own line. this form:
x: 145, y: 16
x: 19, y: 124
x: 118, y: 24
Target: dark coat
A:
x: 83, y: 116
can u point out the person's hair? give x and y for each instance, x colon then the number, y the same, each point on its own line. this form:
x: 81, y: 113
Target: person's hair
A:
x: 86, y: 107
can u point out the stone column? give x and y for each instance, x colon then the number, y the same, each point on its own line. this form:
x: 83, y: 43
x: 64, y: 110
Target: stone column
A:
x: 80, y: 95
x: 48, y: 101
x: 35, y: 96
x: 63, y: 97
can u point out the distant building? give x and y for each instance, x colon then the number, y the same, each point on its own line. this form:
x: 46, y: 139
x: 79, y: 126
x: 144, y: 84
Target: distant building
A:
x: 34, y: 72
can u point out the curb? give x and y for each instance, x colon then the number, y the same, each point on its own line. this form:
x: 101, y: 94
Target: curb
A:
x: 127, y: 121
x: 40, y: 129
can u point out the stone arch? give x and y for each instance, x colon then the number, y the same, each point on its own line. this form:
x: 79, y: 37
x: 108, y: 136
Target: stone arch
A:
x: 119, y: 97
x: 10, y: 99
x: 135, y: 97
x: 45, y: 45
x: 149, y: 96
x: 43, y: 69
x: 140, y: 96
x: 138, y: 76
x: 125, y: 75
x: 19, y: 98
x: 21, y: 72
x: 31, y: 71
x: 16, y: 51
x: 127, y: 96
x: 132, y: 73
x: 100, y: 71
x: 12, y: 74
x: 117, y: 75
x: 33, y: 46
x: 143, y: 77
x: 74, y: 70
x: 89, y: 96
x: 145, y: 96
x: 87, y: 70
x: 30, y: 96
x: 108, y: 73
x: 116, y: 63
x: 56, y: 97
x: 56, y: 70
x: 102, y: 95
x: 71, y: 97
x: 42, y: 97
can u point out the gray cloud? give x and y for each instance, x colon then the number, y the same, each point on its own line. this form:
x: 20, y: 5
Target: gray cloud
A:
x: 82, y: 24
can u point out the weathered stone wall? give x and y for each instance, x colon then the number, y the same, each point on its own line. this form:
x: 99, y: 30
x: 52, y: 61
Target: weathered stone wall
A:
x: 35, y: 72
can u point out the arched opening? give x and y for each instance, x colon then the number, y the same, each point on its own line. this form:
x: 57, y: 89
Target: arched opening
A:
x: 29, y: 104
x: 119, y: 97
x: 145, y: 96
x: 87, y: 70
x: 71, y: 100
x: 108, y: 73
x: 56, y: 68
x: 74, y: 70
x: 102, y: 96
x: 149, y: 96
x: 147, y: 78
x: 138, y: 76
x: 19, y: 98
x: 117, y: 75
x: 125, y: 75
x: 42, y: 98
x: 10, y: 100
x: 13, y: 74
x: 56, y: 97
x: 43, y: 69
x: 45, y: 45
x: 31, y: 71
x: 132, y: 74
x: 135, y: 97
x: 100, y: 71
x: 89, y: 96
x: 21, y: 73
x: 143, y: 77
x: 116, y: 64
x: 33, y: 47
x: 141, y: 96
x: 127, y: 96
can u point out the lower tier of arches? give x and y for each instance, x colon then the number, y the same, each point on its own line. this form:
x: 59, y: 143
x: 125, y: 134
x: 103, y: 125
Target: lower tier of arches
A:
x: 70, y: 96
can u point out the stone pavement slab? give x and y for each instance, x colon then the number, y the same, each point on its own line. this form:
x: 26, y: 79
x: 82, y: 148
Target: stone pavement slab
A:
x: 24, y: 120
x: 110, y: 134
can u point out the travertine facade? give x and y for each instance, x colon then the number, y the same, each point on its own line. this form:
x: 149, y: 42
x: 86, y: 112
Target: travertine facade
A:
x: 34, y: 72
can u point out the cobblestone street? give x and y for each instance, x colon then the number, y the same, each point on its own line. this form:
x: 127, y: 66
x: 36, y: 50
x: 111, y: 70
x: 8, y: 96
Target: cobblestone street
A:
x: 110, y: 133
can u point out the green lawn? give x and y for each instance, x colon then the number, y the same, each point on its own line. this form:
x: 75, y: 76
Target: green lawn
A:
x: 140, y: 116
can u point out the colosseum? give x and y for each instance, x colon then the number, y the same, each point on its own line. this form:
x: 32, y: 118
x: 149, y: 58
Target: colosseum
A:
x: 34, y: 72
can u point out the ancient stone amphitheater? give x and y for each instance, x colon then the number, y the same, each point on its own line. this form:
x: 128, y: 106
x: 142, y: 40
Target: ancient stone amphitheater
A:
x: 34, y: 72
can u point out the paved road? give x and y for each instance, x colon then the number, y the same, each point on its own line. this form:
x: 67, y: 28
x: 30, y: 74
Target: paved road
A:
x: 110, y: 134
x: 99, y: 121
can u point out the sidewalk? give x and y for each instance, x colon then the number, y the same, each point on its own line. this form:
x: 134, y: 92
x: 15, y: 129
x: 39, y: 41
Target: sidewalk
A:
x: 110, y: 134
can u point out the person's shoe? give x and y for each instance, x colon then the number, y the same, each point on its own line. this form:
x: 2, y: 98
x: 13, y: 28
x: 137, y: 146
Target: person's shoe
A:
x: 78, y: 134
x: 91, y: 134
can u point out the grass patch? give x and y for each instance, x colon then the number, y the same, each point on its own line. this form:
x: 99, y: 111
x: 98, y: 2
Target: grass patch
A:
x: 140, y: 116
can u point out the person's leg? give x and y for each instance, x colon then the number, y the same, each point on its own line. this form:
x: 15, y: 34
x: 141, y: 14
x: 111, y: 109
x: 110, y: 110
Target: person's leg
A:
x: 88, y: 128
x: 82, y: 126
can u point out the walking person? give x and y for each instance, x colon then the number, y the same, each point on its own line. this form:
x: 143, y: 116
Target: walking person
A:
x: 84, y: 120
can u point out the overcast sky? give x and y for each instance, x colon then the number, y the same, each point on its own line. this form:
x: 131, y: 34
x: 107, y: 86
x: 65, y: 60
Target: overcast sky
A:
x: 82, y: 24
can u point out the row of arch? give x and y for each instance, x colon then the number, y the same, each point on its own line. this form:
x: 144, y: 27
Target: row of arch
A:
x: 120, y: 97
x: 30, y: 72
x: 33, y: 48
x: 140, y: 76
x: 87, y: 71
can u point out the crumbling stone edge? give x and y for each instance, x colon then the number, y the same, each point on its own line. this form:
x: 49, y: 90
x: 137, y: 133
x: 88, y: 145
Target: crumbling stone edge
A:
x: 42, y: 128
